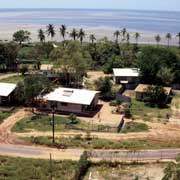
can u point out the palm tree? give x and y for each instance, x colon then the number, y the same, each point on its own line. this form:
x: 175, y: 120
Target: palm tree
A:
x: 41, y: 35
x: 117, y: 34
x: 51, y: 31
x: 74, y: 34
x: 137, y: 36
x: 127, y: 37
x: 92, y: 38
x: 81, y: 35
x: 62, y: 30
x: 124, y: 31
x: 168, y: 37
x: 178, y: 36
x: 158, y: 38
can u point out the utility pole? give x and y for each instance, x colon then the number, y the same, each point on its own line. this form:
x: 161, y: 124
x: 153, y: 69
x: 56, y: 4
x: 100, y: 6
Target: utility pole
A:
x: 51, y: 171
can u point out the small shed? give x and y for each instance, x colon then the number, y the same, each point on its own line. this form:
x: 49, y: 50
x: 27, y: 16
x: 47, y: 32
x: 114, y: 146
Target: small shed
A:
x: 72, y: 100
x: 6, y: 93
x: 126, y: 76
x: 141, y: 91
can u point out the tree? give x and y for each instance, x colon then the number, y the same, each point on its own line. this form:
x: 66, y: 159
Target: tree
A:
x: 10, y: 55
x: 82, y: 166
x: 21, y: 36
x: 74, y: 34
x: 137, y: 36
x: 127, y: 37
x: 62, y: 30
x: 157, y: 38
x: 156, y: 95
x: 81, y: 35
x: 178, y: 36
x: 172, y: 171
x: 104, y: 85
x: 23, y: 69
x: 41, y: 35
x: 73, y: 62
x: 117, y: 34
x: 166, y: 75
x: 124, y: 31
x: 152, y: 61
x: 33, y: 85
x: 168, y: 37
x: 51, y: 31
x: 92, y: 38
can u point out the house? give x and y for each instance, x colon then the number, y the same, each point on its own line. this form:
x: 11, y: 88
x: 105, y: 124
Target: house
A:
x: 6, y: 93
x: 141, y: 91
x: 80, y: 101
x: 128, y: 77
x: 48, y: 71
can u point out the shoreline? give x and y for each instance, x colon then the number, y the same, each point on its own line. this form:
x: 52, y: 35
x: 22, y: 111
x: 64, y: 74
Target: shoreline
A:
x: 7, y: 30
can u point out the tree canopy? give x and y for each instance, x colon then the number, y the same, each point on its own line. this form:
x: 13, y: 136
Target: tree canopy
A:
x: 159, y: 66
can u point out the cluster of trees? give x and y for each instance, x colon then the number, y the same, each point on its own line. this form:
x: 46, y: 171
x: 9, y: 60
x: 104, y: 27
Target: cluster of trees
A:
x: 160, y: 66
x: 72, y: 61
x: 8, y: 55
x: 32, y: 86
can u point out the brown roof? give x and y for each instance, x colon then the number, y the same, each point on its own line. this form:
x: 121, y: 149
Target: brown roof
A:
x: 143, y: 88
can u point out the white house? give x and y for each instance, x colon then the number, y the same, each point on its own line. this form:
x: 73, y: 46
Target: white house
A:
x: 6, y: 92
x: 70, y: 100
x: 126, y: 76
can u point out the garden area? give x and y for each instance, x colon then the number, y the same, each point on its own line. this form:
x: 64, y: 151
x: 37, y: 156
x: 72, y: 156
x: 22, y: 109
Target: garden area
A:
x: 44, y: 123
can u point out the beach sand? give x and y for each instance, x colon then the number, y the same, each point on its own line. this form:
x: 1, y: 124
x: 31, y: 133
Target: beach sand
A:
x: 7, y: 30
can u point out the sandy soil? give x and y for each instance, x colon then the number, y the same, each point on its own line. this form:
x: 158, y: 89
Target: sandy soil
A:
x: 153, y: 171
x: 5, y: 128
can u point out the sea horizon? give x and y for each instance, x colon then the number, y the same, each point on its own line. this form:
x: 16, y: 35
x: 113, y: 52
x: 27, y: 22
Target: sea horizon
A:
x: 101, y: 22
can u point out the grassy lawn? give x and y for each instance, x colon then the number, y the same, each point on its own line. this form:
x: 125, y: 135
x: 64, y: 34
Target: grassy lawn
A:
x: 135, y: 127
x: 44, y: 123
x: 31, y: 169
x: 3, y: 115
x: 14, y: 79
x: 95, y: 143
x: 141, y: 111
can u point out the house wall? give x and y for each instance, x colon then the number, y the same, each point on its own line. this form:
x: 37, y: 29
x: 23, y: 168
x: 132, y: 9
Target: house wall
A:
x: 117, y: 79
x: 74, y: 108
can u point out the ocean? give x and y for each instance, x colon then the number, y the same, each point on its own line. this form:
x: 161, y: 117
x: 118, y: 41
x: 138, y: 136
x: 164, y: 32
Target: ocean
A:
x: 149, y: 22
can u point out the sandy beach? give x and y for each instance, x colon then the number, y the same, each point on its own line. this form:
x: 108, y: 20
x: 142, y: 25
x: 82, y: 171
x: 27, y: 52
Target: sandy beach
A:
x: 7, y: 30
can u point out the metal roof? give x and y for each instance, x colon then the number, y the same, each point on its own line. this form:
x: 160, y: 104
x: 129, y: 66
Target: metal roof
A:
x: 74, y: 96
x: 126, y: 72
x: 6, y: 89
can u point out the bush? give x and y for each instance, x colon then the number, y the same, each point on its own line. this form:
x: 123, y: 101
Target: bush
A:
x: 115, y: 102
x: 23, y: 69
x: 82, y: 166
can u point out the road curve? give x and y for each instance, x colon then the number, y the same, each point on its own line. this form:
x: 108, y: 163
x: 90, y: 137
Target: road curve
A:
x: 74, y: 154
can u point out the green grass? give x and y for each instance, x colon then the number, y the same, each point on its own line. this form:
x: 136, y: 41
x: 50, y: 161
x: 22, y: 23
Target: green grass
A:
x: 95, y: 143
x: 44, y: 123
x: 31, y: 169
x: 135, y: 127
x: 14, y: 79
x: 141, y: 111
x: 3, y: 115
